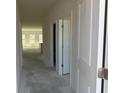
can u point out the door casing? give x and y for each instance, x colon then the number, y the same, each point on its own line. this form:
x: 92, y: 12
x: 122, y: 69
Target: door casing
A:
x: 64, y: 45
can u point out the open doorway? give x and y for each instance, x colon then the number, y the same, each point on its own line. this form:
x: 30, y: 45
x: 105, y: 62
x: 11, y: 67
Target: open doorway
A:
x: 63, y: 47
x: 32, y: 39
x: 54, y: 45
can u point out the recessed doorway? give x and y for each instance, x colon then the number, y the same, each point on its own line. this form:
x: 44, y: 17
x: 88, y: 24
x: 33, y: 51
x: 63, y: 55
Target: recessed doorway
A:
x: 54, y: 45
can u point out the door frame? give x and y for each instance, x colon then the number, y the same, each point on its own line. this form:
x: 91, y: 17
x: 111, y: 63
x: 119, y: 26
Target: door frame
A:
x: 105, y: 50
x: 65, y: 45
x: 60, y: 43
x: 102, y: 45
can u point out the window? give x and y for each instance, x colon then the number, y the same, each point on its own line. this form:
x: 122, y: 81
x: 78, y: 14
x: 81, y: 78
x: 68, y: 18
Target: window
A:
x: 23, y: 36
x: 40, y: 38
x: 32, y: 37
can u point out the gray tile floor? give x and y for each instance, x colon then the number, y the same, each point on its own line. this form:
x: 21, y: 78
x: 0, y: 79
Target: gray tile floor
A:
x: 42, y: 79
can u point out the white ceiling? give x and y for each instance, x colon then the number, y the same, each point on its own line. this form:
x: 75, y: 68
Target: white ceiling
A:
x: 31, y: 11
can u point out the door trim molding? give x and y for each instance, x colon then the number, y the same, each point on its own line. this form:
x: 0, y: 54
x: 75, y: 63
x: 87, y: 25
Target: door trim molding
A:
x: 100, y: 42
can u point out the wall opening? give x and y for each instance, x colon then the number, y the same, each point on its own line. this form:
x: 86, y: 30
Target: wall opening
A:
x: 54, y: 45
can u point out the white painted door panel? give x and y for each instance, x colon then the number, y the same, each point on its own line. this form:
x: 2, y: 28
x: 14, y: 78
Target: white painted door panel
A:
x: 60, y: 47
x: 66, y: 30
x: 88, y: 34
x: 84, y: 45
x: 63, y: 46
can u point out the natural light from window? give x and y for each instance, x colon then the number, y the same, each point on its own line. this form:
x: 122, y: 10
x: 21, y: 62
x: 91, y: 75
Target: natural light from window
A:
x: 32, y: 38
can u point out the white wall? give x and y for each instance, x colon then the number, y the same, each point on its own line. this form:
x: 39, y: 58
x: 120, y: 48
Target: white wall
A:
x: 74, y: 72
x: 61, y: 10
x: 18, y: 49
x: 21, y: 78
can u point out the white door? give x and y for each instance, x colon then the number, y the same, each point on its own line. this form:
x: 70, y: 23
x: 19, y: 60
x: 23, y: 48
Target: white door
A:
x: 90, y: 45
x: 66, y: 42
x: 63, y: 46
x: 59, y: 46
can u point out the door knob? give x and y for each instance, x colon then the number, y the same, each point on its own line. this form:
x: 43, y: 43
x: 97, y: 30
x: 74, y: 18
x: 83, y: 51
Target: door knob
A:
x: 103, y: 73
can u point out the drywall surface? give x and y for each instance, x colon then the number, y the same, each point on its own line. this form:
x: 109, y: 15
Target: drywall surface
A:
x: 18, y: 50
x: 60, y: 10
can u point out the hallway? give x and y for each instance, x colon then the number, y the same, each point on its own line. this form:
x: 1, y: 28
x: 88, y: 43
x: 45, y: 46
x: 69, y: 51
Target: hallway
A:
x: 40, y: 78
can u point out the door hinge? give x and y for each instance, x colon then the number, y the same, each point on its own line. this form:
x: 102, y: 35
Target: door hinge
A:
x: 62, y: 26
x: 62, y: 65
x: 103, y: 73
